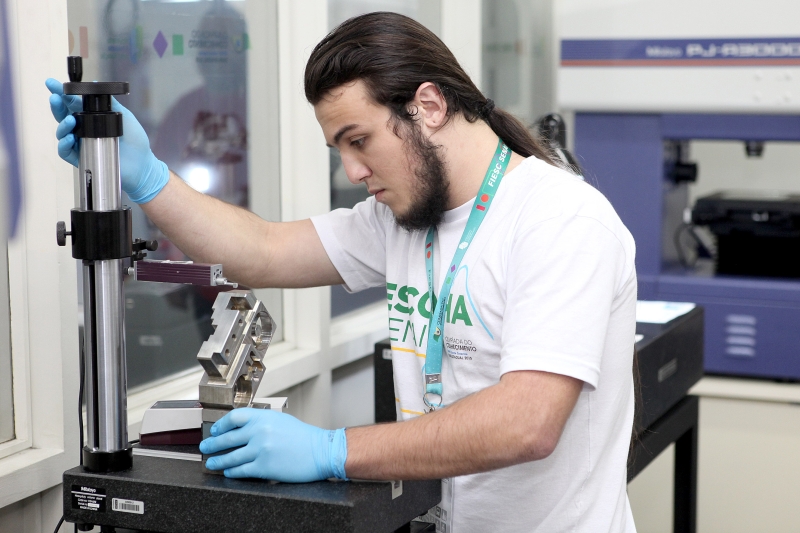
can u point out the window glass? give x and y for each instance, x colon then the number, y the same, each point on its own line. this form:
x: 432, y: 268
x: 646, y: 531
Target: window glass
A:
x: 343, y: 193
x: 517, y: 56
x: 190, y: 65
x: 6, y: 385
x: 10, y: 202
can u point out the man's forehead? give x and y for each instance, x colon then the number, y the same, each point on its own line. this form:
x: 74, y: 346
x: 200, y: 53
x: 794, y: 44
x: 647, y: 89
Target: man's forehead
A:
x: 348, y: 104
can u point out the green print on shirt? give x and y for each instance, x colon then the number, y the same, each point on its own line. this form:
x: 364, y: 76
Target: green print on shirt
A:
x: 404, y: 301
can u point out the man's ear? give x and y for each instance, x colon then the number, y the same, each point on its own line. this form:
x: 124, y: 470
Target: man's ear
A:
x: 431, y: 106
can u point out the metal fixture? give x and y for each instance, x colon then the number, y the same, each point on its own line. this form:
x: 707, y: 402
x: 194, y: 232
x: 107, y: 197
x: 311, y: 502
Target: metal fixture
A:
x: 233, y: 356
x: 101, y: 239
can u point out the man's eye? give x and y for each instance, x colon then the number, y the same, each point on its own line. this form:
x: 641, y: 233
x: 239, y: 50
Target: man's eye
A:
x: 358, y: 143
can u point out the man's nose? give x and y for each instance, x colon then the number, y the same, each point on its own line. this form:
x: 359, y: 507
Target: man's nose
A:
x: 356, y: 171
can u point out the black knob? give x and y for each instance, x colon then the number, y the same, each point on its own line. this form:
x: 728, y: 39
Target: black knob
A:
x: 684, y: 172
x: 75, y: 68
x: 754, y: 148
x: 152, y: 245
x: 61, y: 233
x: 551, y: 127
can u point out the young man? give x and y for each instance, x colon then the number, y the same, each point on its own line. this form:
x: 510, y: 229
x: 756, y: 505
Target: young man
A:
x: 511, y: 283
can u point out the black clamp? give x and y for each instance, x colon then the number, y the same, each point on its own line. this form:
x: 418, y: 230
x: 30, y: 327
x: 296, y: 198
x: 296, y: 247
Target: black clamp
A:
x: 139, y: 246
x: 99, y: 235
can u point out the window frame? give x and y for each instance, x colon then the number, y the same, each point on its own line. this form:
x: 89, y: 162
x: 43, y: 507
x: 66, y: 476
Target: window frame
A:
x: 19, y: 366
x: 43, y: 276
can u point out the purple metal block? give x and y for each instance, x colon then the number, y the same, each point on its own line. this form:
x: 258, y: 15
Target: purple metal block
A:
x: 180, y: 272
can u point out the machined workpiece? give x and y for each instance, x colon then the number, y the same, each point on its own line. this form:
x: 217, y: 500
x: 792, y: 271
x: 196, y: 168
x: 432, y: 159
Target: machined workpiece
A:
x: 233, y: 356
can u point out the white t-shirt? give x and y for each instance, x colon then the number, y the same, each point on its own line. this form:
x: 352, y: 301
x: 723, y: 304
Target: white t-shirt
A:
x: 547, y: 284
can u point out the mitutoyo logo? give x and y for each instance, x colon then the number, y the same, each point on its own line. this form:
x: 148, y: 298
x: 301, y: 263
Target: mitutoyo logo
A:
x: 88, y: 489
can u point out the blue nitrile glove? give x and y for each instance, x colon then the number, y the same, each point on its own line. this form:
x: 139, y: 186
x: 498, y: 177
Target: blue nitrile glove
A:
x: 143, y: 175
x: 277, y: 446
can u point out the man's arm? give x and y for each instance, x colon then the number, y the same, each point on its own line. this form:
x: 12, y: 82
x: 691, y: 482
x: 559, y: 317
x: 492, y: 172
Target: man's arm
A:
x: 518, y: 420
x: 252, y: 251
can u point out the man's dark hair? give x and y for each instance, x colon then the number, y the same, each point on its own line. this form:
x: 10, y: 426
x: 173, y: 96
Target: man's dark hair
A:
x: 393, y: 55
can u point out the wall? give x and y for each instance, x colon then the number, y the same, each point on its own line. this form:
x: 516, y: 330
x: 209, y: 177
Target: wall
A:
x: 35, y: 514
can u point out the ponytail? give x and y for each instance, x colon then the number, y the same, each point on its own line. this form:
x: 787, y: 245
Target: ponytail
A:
x: 516, y: 135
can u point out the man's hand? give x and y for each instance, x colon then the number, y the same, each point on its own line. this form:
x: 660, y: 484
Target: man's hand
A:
x: 143, y: 175
x: 63, y: 106
x: 277, y: 446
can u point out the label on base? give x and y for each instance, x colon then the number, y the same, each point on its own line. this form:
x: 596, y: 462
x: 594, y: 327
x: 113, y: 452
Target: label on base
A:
x: 127, y: 506
x: 88, y: 498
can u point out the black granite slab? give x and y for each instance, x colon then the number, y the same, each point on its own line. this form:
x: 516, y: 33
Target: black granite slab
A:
x: 177, y: 497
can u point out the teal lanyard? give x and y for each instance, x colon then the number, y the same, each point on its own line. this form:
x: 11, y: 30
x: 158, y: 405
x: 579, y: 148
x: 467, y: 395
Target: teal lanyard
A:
x: 433, y: 355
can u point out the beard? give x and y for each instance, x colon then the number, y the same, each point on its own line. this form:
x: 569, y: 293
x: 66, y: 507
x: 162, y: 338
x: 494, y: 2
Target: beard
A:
x: 431, y: 194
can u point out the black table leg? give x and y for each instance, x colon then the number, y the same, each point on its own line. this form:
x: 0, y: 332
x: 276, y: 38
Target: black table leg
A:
x: 685, y: 506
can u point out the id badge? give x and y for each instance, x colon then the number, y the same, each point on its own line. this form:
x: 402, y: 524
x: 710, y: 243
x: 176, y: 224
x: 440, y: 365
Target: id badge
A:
x: 443, y: 513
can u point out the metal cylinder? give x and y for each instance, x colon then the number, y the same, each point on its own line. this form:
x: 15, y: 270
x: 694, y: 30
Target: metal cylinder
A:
x: 104, y: 307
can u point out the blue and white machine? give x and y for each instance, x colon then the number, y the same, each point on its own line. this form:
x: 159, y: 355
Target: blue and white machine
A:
x: 643, y: 77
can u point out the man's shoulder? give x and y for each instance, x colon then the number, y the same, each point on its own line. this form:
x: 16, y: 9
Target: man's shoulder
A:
x: 539, y: 192
x: 539, y: 187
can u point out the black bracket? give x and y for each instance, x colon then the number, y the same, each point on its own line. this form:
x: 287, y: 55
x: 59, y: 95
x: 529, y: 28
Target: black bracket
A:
x: 139, y: 246
x: 98, y: 235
